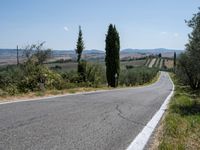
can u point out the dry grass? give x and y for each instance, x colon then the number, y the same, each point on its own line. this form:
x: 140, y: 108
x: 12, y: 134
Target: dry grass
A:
x: 169, y: 63
x: 152, y: 62
x: 40, y: 94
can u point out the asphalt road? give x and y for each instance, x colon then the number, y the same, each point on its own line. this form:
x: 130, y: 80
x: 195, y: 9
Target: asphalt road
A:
x: 107, y: 120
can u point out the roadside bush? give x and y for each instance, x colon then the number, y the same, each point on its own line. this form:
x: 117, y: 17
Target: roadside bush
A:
x: 82, y: 71
x: 9, y: 78
x: 37, y: 77
x: 28, y: 77
x: 71, y: 76
x: 95, y: 74
x: 137, y: 76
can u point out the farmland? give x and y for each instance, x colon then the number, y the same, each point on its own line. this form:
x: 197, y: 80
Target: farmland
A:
x: 156, y: 62
x: 161, y: 63
x: 68, y: 66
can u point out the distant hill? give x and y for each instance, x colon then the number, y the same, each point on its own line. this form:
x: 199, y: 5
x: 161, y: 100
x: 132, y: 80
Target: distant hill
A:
x: 137, y: 53
x: 8, y: 56
x: 93, y: 51
x: 154, y: 51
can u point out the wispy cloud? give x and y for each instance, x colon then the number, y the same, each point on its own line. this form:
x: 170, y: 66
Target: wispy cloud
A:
x: 176, y: 34
x: 66, y: 29
x: 170, y: 34
x: 164, y: 33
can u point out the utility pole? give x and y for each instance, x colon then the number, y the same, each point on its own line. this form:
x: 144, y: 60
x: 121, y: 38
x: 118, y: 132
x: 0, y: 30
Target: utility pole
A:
x: 17, y: 55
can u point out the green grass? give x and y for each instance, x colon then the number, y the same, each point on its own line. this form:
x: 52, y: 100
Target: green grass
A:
x: 181, y: 126
x: 63, y: 67
x: 134, y: 63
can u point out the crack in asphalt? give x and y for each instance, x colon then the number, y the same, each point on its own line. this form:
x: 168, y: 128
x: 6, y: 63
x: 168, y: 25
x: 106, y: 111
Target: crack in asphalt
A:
x: 121, y: 115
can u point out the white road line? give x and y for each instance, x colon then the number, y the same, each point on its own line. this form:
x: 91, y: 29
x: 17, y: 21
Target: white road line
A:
x: 142, y: 138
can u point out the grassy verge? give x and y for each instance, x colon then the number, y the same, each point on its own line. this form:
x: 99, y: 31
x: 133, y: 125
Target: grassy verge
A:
x: 180, y: 128
x: 66, y: 91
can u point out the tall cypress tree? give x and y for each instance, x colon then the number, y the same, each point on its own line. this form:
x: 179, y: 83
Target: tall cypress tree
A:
x: 81, y: 68
x: 174, y: 61
x: 80, y: 45
x: 112, y: 59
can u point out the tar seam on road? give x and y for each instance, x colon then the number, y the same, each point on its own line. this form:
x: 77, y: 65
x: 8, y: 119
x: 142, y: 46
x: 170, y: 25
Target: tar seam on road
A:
x: 142, y: 138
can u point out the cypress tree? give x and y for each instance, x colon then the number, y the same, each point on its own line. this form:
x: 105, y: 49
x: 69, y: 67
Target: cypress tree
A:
x: 17, y: 56
x: 81, y: 68
x: 174, y: 61
x: 79, y: 45
x: 112, y: 58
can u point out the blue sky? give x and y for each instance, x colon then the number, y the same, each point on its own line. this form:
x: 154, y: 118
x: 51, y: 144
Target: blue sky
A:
x: 141, y: 23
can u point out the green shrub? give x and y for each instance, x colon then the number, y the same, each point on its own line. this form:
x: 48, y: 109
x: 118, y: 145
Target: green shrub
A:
x: 82, y: 71
x: 95, y: 74
x: 37, y: 76
x: 137, y: 76
x: 71, y: 76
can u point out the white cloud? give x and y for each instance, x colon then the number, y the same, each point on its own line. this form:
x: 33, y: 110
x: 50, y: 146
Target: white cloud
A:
x: 66, y: 29
x: 170, y: 34
x: 163, y: 33
x: 176, y: 34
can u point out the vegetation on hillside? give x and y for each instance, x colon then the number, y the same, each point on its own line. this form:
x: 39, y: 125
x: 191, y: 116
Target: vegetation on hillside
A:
x: 35, y: 74
x: 161, y: 63
x: 31, y: 75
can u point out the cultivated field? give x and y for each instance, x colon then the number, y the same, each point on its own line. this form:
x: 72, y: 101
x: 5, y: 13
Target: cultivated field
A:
x: 68, y: 66
x: 161, y: 63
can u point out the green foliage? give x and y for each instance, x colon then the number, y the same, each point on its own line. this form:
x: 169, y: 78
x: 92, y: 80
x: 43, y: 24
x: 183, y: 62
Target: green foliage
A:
x: 188, y: 68
x: 28, y: 77
x: 82, y: 71
x: 32, y: 75
x: 112, y: 59
x: 137, y: 76
x: 9, y: 78
x: 71, y: 76
x: 79, y: 45
x: 95, y: 74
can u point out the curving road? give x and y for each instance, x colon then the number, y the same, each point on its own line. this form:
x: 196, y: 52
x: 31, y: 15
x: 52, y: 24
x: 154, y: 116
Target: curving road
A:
x: 107, y: 120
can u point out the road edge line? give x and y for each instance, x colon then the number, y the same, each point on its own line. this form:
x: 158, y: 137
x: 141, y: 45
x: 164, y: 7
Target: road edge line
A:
x: 143, y: 137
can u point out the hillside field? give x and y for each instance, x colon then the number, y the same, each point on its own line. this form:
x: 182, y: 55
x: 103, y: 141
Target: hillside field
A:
x: 156, y: 62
